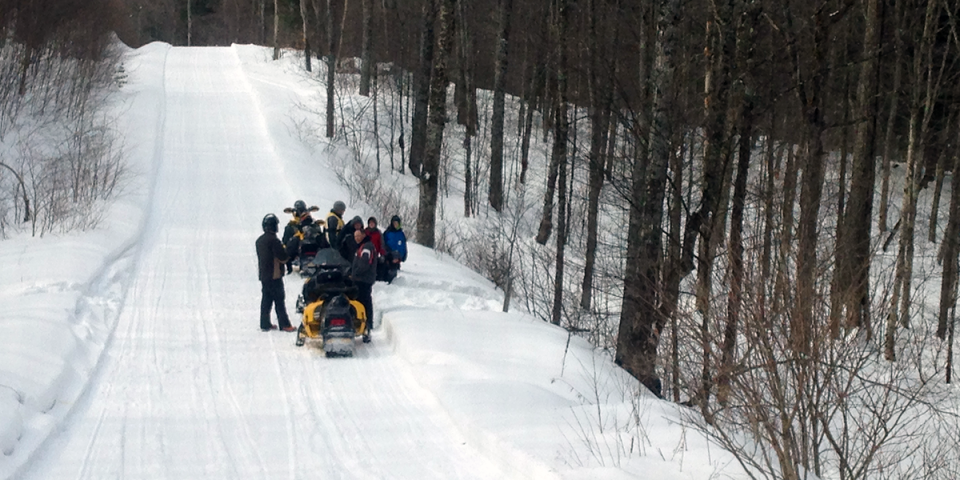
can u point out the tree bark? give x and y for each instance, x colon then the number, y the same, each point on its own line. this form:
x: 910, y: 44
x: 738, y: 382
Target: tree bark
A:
x: 557, y: 312
x: 534, y: 91
x: 421, y: 85
x: 853, y: 252
x: 559, y: 152
x: 276, y: 29
x: 367, y: 62
x: 923, y: 83
x: 888, y: 141
x: 938, y: 190
x: 306, y: 35
x: 716, y: 177
x: 600, y: 100
x: 951, y: 248
x: 496, y: 120
x: 640, y: 319
x: 810, y: 95
x: 331, y: 69
x: 772, y: 171
x: 437, y: 117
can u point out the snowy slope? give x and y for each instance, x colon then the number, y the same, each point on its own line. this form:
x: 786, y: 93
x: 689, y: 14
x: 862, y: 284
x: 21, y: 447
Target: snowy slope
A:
x: 139, y: 355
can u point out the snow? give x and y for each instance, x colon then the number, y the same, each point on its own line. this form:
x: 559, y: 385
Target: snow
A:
x: 133, y: 351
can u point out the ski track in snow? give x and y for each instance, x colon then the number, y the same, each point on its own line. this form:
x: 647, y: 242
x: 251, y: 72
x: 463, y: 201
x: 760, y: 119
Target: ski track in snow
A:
x: 188, y: 387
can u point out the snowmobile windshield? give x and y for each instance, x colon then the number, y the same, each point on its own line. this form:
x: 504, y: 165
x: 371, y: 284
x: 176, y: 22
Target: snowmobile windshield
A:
x: 330, y: 257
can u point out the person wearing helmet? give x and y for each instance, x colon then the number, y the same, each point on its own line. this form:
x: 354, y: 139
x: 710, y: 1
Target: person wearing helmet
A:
x: 335, y: 224
x: 271, y: 256
x: 293, y: 232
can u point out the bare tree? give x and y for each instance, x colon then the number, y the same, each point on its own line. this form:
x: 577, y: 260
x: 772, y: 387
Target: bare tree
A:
x: 558, y: 153
x: 853, y: 252
x: 640, y: 320
x: 496, y: 120
x: 429, y: 176
x: 367, y: 63
x: 306, y: 35
x: 276, y: 30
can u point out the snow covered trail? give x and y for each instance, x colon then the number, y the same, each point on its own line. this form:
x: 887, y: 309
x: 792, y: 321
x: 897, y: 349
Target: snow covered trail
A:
x: 189, y: 387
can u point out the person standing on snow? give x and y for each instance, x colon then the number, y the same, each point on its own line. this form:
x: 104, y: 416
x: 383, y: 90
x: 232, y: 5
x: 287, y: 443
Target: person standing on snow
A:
x: 375, y: 236
x: 271, y: 257
x: 335, y: 224
x: 395, y: 240
x: 363, y: 272
x: 348, y: 246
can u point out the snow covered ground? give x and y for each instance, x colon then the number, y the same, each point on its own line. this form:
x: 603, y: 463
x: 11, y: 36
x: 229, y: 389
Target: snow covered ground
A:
x: 133, y: 351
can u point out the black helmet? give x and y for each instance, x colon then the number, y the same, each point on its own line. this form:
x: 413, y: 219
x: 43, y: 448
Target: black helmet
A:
x: 299, y: 206
x: 339, y: 207
x: 270, y: 223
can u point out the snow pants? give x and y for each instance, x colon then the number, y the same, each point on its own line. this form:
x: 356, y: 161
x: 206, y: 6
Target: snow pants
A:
x: 365, y: 297
x: 273, y: 295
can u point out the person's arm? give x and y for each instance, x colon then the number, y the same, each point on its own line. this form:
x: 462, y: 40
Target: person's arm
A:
x: 279, y: 252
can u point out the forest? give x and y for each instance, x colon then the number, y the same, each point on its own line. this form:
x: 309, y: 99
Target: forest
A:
x: 743, y: 200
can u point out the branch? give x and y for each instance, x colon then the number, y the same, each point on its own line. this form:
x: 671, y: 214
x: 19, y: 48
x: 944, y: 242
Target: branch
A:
x: 23, y: 187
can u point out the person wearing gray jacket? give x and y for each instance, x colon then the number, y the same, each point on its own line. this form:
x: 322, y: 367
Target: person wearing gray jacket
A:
x: 363, y: 272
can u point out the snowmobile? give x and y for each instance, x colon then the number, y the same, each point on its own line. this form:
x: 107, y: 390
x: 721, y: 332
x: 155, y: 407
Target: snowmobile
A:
x: 304, y: 235
x: 311, y: 241
x: 329, y: 307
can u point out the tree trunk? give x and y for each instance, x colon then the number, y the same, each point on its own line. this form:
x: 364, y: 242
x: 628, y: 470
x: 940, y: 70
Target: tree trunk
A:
x: 853, y: 252
x: 640, y: 319
x: 673, y: 272
x: 924, y: 75
x: 735, y: 255
x: 781, y: 297
x: 772, y: 172
x: 557, y: 312
x: 559, y: 152
x: 938, y: 190
x: 599, y: 118
x: 888, y: 141
x: 535, y: 81
x: 951, y: 248
x: 331, y: 69
x: 496, y: 120
x: 276, y: 29
x: 421, y: 85
x: 276, y: 49
x: 811, y: 188
x: 437, y: 117
x: 716, y: 177
x: 367, y: 62
x: 306, y: 35
x: 748, y: 15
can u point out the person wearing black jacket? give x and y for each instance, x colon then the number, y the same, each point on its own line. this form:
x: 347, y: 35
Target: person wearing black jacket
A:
x: 335, y: 224
x: 363, y: 272
x: 271, y: 258
x: 348, y: 246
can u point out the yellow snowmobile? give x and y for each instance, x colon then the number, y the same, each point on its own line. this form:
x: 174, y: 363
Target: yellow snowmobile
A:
x: 303, y: 236
x: 329, y: 308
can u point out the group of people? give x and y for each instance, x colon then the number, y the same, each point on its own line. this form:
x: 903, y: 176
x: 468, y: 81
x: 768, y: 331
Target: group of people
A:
x: 373, y: 255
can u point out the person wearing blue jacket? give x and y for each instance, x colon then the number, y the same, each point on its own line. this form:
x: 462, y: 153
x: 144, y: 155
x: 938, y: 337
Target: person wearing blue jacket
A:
x: 395, y: 240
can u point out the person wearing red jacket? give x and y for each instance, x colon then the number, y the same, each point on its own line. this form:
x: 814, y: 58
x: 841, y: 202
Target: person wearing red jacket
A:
x: 376, y: 236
